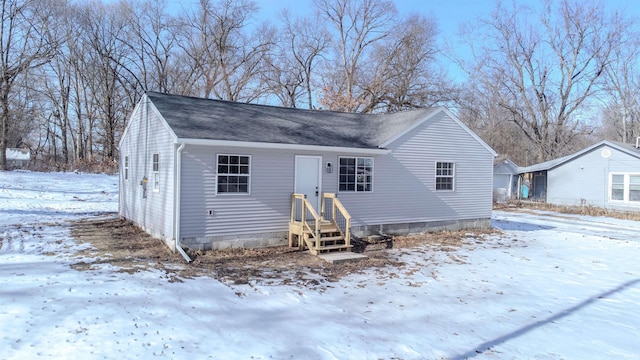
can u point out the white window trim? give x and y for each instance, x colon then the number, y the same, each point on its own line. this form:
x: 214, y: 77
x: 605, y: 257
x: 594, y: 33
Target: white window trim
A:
x: 156, y: 173
x: 126, y: 168
x: 436, y: 176
x: 248, y: 176
x: 373, y: 164
x: 627, y: 182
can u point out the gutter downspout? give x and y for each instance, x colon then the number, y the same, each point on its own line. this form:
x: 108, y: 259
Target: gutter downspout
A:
x: 146, y: 162
x: 176, y: 209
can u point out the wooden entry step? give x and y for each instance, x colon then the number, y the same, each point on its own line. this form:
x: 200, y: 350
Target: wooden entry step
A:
x: 342, y: 257
x: 319, y: 234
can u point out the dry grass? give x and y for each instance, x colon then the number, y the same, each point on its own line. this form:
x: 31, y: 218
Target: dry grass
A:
x: 577, y: 210
x: 82, y: 165
x: 120, y: 243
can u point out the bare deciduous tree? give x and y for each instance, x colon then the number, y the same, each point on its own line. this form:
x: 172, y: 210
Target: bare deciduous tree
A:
x: 152, y: 42
x: 402, y: 72
x: 480, y: 111
x: 357, y: 25
x: 225, y: 58
x: 545, y: 67
x: 290, y: 70
x: 106, y: 76
x: 622, y: 112
x: 25, y: 44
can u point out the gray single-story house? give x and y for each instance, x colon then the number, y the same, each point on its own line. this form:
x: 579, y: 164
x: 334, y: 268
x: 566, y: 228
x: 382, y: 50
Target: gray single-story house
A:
x: 204, y: 173
x: 18, y: 158
x: 505, y: 180
x: 606, y: 175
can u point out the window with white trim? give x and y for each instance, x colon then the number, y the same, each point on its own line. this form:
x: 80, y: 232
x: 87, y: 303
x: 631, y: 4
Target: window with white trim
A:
x: 624, y: 187
x: 234, y: 174
x: 445, y: 174
x: 126, y: 168
x: 355, y: 174
x: 617, y: 187
x: 156, y: 172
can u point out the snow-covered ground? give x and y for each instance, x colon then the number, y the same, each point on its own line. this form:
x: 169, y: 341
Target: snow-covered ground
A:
x: 550, y: 287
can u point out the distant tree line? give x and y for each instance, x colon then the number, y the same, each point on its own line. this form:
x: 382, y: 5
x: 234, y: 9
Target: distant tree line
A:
x: 542, y: 82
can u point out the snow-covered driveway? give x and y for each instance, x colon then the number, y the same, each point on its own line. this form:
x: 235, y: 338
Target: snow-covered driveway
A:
x: 550, y: 287
x: 585, y: 225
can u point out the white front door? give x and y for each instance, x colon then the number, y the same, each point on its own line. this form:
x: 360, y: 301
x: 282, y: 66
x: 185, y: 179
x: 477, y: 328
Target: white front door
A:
x: 308, y: 179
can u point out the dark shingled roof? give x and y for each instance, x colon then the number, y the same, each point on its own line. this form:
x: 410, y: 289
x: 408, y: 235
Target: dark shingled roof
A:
x: 196, y: 118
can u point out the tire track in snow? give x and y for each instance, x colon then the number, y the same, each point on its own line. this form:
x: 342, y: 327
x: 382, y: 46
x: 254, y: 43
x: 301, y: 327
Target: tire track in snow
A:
x: 12, y: 242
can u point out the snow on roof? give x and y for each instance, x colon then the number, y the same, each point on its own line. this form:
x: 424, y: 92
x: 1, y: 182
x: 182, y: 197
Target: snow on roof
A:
x: 18, y: 154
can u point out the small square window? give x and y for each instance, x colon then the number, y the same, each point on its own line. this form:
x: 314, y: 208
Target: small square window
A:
x: 355, y: 174
x: 234, y: 172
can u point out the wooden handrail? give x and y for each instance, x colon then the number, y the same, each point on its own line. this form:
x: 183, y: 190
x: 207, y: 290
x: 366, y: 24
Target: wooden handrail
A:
x: 306, y: 206
x: 336, y: 205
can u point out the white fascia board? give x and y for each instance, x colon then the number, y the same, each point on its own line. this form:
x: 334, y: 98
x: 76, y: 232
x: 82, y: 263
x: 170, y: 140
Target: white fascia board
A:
x: 277, y: 146
x: 130, y: 117
x: 144, y: 100
x: 617, y: 147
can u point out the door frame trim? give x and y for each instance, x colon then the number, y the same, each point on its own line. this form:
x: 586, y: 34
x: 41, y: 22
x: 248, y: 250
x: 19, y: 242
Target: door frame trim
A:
x: 295, y: 176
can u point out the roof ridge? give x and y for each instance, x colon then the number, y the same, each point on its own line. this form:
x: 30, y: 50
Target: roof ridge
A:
x: 211, y: 119
x: 295, y: 108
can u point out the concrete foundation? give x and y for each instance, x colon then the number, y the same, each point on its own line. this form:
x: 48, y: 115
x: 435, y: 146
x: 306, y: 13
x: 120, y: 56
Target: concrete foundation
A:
x: 419, y: 227
x: 236, y: 241
x: 280, y: 238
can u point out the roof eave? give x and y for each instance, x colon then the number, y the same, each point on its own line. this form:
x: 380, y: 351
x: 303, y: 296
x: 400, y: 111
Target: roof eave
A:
x: 280, y: 146
x: 552, y: 164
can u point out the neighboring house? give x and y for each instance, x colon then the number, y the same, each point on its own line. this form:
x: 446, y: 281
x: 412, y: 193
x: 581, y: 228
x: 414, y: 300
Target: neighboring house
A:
x: 18, y: 158
x: 505, y: 180
x: 605, y: 175
x: 214, y: 174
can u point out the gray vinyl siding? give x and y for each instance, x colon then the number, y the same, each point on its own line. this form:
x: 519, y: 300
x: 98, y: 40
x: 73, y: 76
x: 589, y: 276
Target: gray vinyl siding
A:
x: 403, y: 185
x: 585, y: 180
x: 263, y: 210
x: 404, y: 181
x: 267, y: 207
x: 155, y: 213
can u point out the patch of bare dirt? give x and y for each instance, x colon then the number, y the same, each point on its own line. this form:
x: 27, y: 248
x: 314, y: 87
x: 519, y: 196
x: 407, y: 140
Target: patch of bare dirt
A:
x: 124, y: 245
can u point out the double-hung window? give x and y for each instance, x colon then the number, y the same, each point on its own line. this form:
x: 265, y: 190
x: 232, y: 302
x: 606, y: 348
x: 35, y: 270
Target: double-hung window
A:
x: 445, y: 172
x: 356, y: 174
x: 234, y: 174
x: 634, y: 187
x: 617, y: 187
x: 624, y: 187
x: 156, y: 172
x: 126, y: 168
